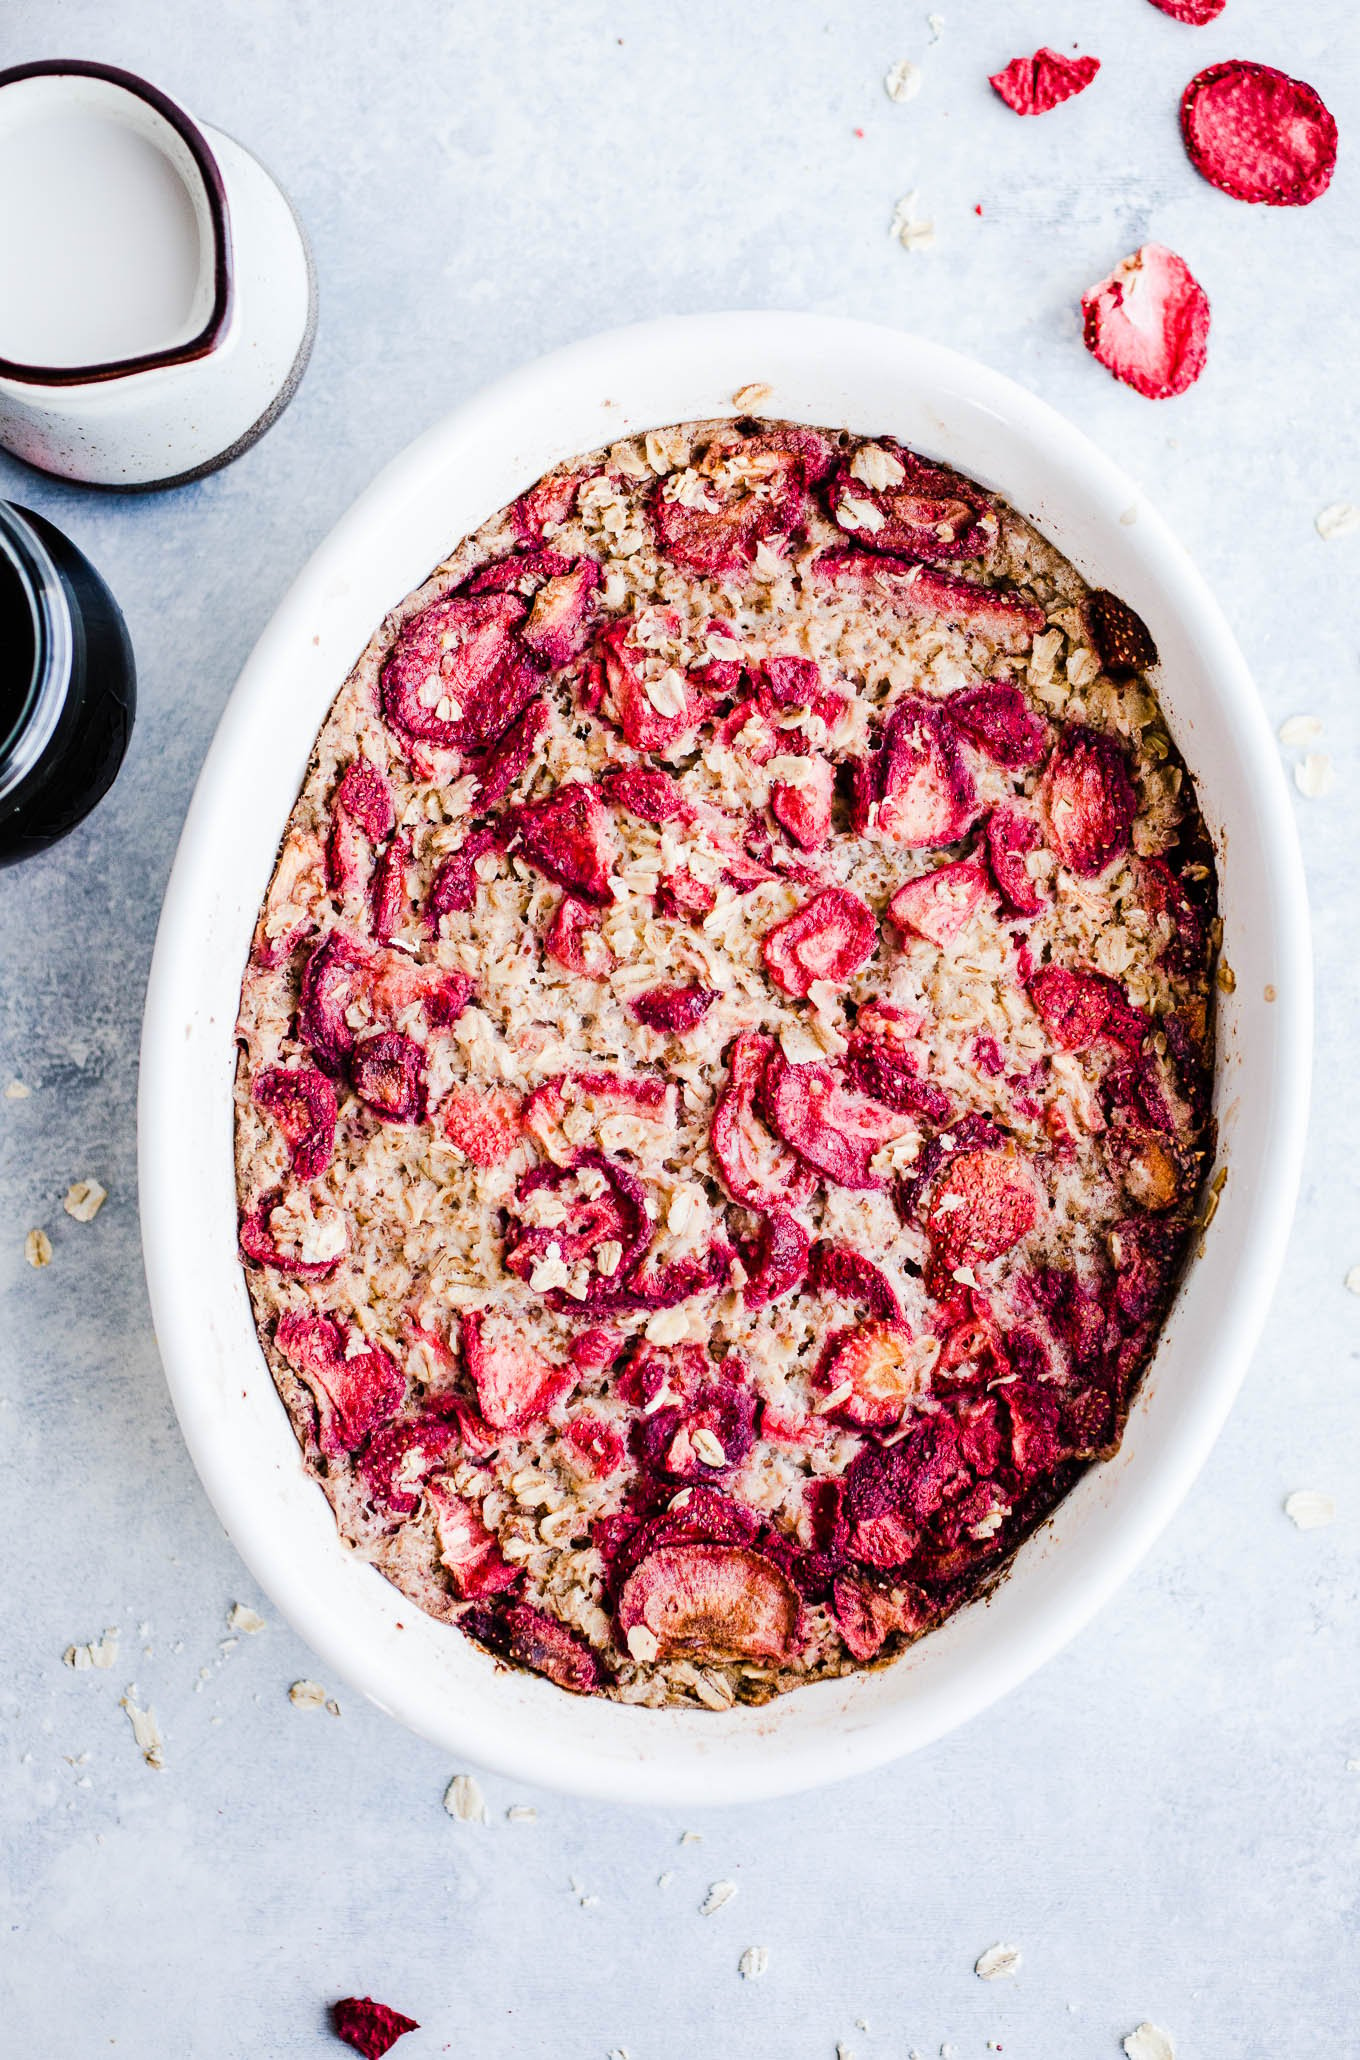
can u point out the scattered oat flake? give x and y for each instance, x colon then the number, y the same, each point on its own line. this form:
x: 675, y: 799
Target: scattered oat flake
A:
x: 748, y: 397
x: 16, y: 1092
x: 1342, y: 518
x: 753, y: 1962
x: 1150, y: 2042
x: 1313, y: 775
x: 691, y: 1838
x: 241, y: 1617
x: 464, y: 1800
x: 100, y: 1652
x: 904, y: 81
x: 38, y: 1248
x: 844, y: 2052
x: 307, y: 1695
x: 665, y: 1879
x: 935, y: 23
x: 1309, y: 1509
x: 997, y: 1963
x: 718, y: 1895
x: 908, y: 227
x: 1297, y: 730
x: 145, y: 1730
x: 1353, y: 1280
x: 84, y: 1200
x: 521, y: 1813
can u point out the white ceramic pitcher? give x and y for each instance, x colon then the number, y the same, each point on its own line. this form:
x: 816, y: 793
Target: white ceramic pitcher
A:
x: 157, y: 298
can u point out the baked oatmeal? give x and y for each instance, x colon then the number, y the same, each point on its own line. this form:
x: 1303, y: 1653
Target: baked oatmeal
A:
x: 725, y: 1062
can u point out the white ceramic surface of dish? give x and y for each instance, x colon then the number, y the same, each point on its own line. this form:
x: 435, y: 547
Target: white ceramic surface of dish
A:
x: 824, y: 371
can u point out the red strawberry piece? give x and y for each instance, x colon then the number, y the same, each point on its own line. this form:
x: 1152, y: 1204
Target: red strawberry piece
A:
x: 1010, y: 837
x: 870, y: 1375
x: 513, y: 753
x: 462, y: 655
x: 371, y: 2028
x: 467, y: 1549
x: 1089, y: 800
x: 1033, y: 85
x: 258, y: 1242
x: 706, y: 1435
x: 398, y: 1459
x: 601, y: 1095
x: 718, y: 535
x: 927, y: 512
x: 709, y: 1601
x: 1073, y: 1005
x: 522, y: 572
x: 1036, y: 1441
x: 389, y: 1077
x: 546, y: 506
x: 1146, y: 1254
x: 1258, y: 135
x: 302, y: 1102
x: 515, y: 1386
x: 999, y: 720
x: 883, y: 1069
x: 573, y: 939
x: 1148, y: 323
x: 791, y: 681
x: 939, y: 906
x: 802, y: 808
x: 540, y: 1642
x: 885, y: 1541
x: 750, y: 730
x: 1179, y: 934
x: 1122, y: 639
x: 354, y: 1392
x: 363, y: 802
x: 1003, y: 619
x: 775, y: 1260
x: 924, y: 792
x: 335, y: 971
x: 756, y: 1168
x: 681, y: 896
x: 672, y: 1010
x: 596, y: 1444
x: 867, y: 1615
x: 454, y: 888
x: 984, y: 1203
x: 639, y: 704
x: 662, y: 1287
x: 483, y: 1123
x: 648, y: 793
x: 567, y: 838
x: 607, y: 1206
x: 559, y: 624
x: 828, y: 938
x: 840, y: 1271
x: 829, y: 1125
x: 388, y: 899
x: 1195, y: 13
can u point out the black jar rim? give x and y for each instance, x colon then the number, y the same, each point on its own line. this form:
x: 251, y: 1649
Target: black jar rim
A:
x: 53, y: 648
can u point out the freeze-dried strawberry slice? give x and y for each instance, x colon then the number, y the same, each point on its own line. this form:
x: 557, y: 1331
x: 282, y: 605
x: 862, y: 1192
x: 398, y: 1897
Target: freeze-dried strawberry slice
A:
x: 652, y: 1286
x: 398, y: 1459
x: 674, y: 1010
x: 354, y: 1392
x: 707, y: 1433
x: 984, y: 1203
x: 568, y: 838
x: 484, y: 1123
x: 1011, y: 836
x: 335, y: 971
x: 462, y: 656
x: 302, y: 1102
x: 870, y: 1376
x: 559, y: 624
x: 1148, y: 323
x: 1089, y: 799
x: 513, y: 753
x: 1033, y: 85
x: 388, y: 900
x: 371, y: 2028
x: 469, y: 1552
x: 389, y: 1076
x: 711, y: 1601
x: 879, y: 1066
x: 655, y: 714
x: 828, y: 1124
x: 1001, y: 618
x: 867, y: 1615
x: 596, y: 1445
x: 1195, y: 13
x: 573, y: 939
x: 649, y: 793
x: 828, y: 938
x: 614, y: 1103
x: 802, y: 806
x: 756, y: 1168
x: 259, y: 1240
x: 891, y: 500
x: 362, y: 801
x: 775, y: 1259
x: 999, y: 720
x: 939, y: 906
x: 514, y: 1384
x: 546, y: 506
x: 1258, y: 135
x: 681, y: 895
x: 522, y: 572
x: 924, y: 791
x: 1079, y: 1007
x: 539, y: 1641
x: 712, y: 521
x: 1122, y: 639
x: 605, y: 1205
x: 454, y: 888
x: 838, y: 1270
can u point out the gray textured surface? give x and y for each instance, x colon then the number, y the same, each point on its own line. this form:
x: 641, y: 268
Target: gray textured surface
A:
x: 1164, y: 1820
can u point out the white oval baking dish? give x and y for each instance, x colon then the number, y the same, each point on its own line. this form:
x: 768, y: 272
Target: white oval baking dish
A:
x: 817, y: 370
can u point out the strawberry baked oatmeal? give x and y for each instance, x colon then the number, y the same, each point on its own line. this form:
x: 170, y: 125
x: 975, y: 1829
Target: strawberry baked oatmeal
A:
x: 725, y: 1063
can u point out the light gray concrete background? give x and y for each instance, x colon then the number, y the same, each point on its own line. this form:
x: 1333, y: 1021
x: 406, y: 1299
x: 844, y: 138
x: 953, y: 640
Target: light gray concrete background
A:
x: 1164, y: 1821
